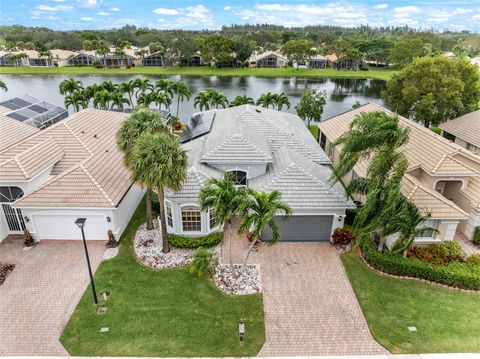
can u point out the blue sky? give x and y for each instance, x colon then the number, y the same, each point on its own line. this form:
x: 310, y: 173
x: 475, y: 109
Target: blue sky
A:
x: 191, y: 14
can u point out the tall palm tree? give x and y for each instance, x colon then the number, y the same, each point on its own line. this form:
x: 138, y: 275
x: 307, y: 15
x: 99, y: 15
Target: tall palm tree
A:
x: 161, y: 98
x: 159, y: 161
x: 227, y: 200
x: 218, y: 99
x: 129, y: 89
x: 145, y: 99
x: 3, y: 86
x: 165, y: 85
x: 202, y: 100
x: 142, y: 85
x: 109, y: 86
x: 46, y: 54
x: 103, y: 50
x: 260, y: 213
x: 75, y: 99
x: 242, y: 100
x: 89, y: 91
x: 282, y: 100
x: 138, y: 123
x: 67, y: 86
x: 267, y: 99
x: 182, y: 91
x: 101, y: 99
x: 118, y: 99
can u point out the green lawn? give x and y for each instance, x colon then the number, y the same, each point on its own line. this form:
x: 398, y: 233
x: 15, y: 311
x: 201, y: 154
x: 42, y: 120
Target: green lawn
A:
x: 203, y: 71
x: 314, y: 131
x: 161, y: 313
x: 447, y: 320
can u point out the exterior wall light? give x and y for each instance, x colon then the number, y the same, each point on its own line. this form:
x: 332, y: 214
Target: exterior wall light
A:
x: 26, y: 219
x: 109, y: 219
x: 241, y: 330
x: 340, y: 218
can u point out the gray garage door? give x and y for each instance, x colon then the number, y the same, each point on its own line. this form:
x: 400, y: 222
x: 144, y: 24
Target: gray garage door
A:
x: 303, y: 229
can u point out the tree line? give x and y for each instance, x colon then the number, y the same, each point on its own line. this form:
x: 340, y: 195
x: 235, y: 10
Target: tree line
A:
x: 232, y: 46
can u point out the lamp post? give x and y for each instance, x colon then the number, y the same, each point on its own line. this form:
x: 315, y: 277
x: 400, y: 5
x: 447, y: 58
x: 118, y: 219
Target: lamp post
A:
x: 80, y: 222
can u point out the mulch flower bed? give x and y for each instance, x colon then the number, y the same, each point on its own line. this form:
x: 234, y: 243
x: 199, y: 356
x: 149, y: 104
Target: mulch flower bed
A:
x: 5, y: 270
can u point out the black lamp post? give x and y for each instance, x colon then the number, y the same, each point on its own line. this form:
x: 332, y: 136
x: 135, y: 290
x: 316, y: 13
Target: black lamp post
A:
x: 80, y: 222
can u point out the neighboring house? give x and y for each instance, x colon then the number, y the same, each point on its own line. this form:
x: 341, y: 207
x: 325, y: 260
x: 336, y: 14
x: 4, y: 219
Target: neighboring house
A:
x: 12, y: 130
x: 32, y: 111
x: 71, y: 169
x: 270, y: 59
x: 155, y: 59
x: 442, y: 179
x: 83, y: 58
x: 60, y: 57
x: 318, y: 62
x: 265, y: 150
x: 464, y: 131
x: 332, y: 60
x: 15, y: 59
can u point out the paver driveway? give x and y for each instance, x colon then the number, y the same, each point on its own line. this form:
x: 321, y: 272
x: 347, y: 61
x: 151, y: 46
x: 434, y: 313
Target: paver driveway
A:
x: 41, y: 293
x: 310, y: 307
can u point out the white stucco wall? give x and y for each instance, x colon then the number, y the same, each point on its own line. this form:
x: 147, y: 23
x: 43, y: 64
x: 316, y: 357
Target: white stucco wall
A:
x: 473, y: 221
x: 125, y: 210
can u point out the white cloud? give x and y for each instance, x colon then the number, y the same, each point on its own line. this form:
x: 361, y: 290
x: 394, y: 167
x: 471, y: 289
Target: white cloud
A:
x: 227, y: 8
x: 88, y: 3
x: 406, y: 9
x: 163, y: 11
x: 103, y: 13
x: 475, y: 17
x: 86, y: 18
x: 115, y: 9
x: 55, y: 8
x: 380, y: 6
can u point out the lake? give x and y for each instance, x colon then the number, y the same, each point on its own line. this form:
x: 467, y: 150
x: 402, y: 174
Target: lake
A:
x: 341, y: 93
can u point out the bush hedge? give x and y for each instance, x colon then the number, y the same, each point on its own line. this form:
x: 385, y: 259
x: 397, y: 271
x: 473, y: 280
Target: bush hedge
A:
x: 476, y: 235
x: 209, y: 240
x: 458, y: 274
x: 437, y: 254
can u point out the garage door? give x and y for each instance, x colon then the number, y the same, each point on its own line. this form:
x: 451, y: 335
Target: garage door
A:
x: 303, y: 229
x: 64, y: 227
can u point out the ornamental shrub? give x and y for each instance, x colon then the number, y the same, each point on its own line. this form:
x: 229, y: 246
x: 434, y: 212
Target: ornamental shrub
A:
x: 207, y: 241
x: 476, y: 235
x: 437, y: 254
x: 473, y: 259
x: 342, y: 237
x: 455, y: 274
x: 203, y: 262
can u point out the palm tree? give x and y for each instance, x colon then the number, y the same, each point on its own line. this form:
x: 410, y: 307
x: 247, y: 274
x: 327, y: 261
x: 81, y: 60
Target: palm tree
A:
x: 267, y: 99
x: 3, y: 86
x: 282, y: 100
x: 101, y: 99
x: 218, y: 99
x: 159, y: 161
x: 260, y: 212
x: 182, y: 91
x: 161, y: 98
x: 128, y: 88
x: 109, y: 86
x: 142, y: 85
x: 145, y: 99
x: 89, y: 91
x: 227, y: 200
x: 242, y: 100
x: 103, y: 50
x: 75, y: 99
x: 202, y: 100
x: 118, y: 99
x: 67, y: 86
x: 120, y: 53
x: 47, y: 54
x: 165, y: 85
x: 138, y: 123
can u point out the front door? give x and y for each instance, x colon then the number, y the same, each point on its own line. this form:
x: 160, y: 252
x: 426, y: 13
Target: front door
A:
x: 13, y: 216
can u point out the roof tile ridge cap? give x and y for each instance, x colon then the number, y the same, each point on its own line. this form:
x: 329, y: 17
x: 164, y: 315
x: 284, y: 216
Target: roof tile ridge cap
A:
x: 30, y: 149
x: 94, y: 181
x: 450, y: 156
x: 439, y: 163
x: 414, y: 189
x: 330, y: 188
x: 255, y: 146
x: 54, y: 179
x: 78, y: 138
x: 22, y: 169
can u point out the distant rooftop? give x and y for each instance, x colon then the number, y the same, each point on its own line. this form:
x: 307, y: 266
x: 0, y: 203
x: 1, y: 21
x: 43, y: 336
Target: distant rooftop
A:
x: 32, y: 111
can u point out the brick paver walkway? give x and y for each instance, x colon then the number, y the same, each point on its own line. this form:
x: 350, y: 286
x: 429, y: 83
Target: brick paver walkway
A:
x: 41, y: 293
x: 310, y: 307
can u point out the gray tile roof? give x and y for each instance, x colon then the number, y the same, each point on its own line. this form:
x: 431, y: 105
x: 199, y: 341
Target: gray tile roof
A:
x: 296, y: 165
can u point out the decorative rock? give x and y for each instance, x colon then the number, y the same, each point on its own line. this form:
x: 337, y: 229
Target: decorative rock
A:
x: 110, y: 253
x: 245, y: 279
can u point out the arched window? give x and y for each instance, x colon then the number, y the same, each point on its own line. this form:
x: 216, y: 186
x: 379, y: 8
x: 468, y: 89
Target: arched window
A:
x: 191, y: 219
x: 239, y: 178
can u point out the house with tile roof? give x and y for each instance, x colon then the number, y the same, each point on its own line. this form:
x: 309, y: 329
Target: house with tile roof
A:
x: 268, y: 59
x: 464, y: 131
x: 71, y: 169
x: 442, y: 179
x: 265, y: 150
